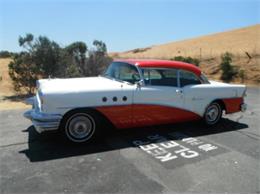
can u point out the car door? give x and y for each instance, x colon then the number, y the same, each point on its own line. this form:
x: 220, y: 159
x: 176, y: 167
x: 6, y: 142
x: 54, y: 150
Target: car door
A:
x: 160, y: 99
x: 194, y: 91
x: 117, y: 101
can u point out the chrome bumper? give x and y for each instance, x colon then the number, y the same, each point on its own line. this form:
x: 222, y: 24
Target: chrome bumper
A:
x: 243, y: 107
x: 30, y: 101
x: 42, y: 121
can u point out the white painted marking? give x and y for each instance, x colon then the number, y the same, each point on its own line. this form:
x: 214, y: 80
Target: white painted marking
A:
x: 148, y: 147
x: 167, y: 157
x: 183, y: 149
x: 207, y: 147
x: 169, y: 144
x: 158, y: 146
x: 157, y: 152
x: 189, y: 154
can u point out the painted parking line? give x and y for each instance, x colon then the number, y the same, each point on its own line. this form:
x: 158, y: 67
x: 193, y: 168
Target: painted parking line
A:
x: 176, y: 149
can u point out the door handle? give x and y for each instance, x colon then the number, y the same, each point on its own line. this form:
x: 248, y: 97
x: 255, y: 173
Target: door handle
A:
x: 179, y: 91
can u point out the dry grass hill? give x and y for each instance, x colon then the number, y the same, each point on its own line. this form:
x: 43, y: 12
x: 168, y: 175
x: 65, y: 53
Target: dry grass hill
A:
x: 243, y: 43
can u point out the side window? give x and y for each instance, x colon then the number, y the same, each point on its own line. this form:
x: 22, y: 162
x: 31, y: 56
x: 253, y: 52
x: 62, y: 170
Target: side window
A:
x: 123, y: 72
x: 128, y: 73
x: 160, y: 77
x: 188, y: 78
x: 150, y: 74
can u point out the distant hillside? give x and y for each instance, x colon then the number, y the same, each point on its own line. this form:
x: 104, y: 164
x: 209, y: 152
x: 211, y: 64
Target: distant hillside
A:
x: 243, y: 43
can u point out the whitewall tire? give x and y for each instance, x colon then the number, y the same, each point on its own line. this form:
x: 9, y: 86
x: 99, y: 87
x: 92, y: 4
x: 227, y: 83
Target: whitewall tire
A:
x: 80, y: 127
x: 213, y: 114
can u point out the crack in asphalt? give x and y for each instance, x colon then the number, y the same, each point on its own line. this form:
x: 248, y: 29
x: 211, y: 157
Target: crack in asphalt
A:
x: 17, y: 144
x: 250, y: 135
x: 14, y: 144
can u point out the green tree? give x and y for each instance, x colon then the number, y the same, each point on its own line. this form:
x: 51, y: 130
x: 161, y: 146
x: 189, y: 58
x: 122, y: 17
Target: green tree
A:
x: 47, y: 56
x: 98, y: 59
x: 43, y: 58
x: 40, y: 59
x: 76, y: 58
x: 228, y: 71
x: 100, y: 47
x: 22, y: 72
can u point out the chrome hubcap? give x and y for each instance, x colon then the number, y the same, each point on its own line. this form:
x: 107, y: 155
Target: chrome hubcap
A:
x: 212, y: 113
x: 80, y: 127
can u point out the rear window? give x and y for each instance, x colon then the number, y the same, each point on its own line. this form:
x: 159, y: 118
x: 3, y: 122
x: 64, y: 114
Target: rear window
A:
x: 188, y: 78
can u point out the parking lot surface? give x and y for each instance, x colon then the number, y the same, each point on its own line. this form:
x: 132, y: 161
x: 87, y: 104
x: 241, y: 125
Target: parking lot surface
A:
x: 178, y: 158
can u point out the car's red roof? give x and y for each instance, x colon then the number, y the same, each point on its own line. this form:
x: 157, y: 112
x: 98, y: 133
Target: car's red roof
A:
x: 162, y: 64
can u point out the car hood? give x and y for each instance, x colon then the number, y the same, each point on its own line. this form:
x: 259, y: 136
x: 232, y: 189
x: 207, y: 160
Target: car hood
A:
x: 74, y: 85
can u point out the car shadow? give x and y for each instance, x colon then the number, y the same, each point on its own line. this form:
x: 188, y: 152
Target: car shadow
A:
x: 17, y: 98
x: 50, y: 146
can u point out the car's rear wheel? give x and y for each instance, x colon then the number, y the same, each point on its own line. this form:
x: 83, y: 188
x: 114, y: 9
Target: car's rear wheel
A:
x: 213, y: 114
x: 80, y: 126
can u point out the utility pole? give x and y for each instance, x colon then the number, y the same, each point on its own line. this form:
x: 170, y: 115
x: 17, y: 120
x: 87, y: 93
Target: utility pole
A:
x: 200, y: 53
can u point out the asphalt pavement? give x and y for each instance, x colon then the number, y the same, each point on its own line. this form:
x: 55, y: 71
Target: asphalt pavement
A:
x: 178, y: 158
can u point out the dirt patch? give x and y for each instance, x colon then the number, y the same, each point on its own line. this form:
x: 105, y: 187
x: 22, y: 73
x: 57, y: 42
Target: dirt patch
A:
x: 6, y: 87
x: 8, y: 105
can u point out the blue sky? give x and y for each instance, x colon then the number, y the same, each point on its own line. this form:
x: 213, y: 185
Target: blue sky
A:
x: 121, y: 24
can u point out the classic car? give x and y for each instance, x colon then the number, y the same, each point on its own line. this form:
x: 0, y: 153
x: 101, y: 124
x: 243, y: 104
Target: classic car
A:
x: 132, y: 93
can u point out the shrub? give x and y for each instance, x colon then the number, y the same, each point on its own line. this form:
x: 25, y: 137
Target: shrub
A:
x: 139, y: 50
x: 228, y: 71
x: 242, y: 75
x: 6, y: 54
x: 190, y: 60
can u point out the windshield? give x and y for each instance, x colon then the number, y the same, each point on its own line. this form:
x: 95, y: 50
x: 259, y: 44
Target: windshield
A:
x: 204, y: 78
x: 122, y: 72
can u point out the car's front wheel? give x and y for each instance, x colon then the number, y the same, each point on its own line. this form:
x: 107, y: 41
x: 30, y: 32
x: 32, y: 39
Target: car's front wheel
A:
x: 79, y: 126
x: 213, y: 114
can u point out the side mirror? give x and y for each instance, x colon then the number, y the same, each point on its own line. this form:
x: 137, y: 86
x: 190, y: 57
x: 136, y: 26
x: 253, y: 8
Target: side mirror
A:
x: 140, y: 83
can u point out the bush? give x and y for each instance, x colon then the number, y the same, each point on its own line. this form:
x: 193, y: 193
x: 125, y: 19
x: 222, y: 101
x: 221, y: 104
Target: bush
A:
x: 190, y: 60
x: 139, y: 50
x: 242, y: 75
x: 228, y: 71
x: 6, y: 54
x: 23, y: 73
x: 44, y: 58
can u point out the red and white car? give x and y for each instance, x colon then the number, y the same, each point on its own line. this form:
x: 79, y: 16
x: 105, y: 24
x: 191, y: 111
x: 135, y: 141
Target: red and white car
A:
x: 132, y: 93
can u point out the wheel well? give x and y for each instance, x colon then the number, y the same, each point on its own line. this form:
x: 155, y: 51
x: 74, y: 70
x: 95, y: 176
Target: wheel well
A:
x: 87, y: 109
x: 221, y: 103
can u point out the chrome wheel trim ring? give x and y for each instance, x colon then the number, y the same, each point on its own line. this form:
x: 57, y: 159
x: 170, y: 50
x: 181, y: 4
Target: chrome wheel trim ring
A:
x: 80, y: 127
x: 213, y: 113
